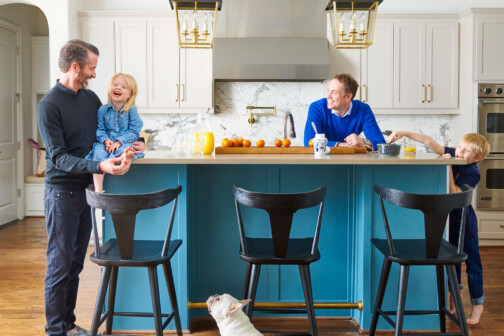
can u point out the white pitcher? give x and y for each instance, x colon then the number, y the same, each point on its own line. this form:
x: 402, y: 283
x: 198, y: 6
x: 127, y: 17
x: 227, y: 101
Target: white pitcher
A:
x: 320, y: 145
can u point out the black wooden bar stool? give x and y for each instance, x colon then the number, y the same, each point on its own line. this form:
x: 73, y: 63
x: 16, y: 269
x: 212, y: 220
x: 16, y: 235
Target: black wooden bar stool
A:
x: 280, y: 249
x: 433, y: 250
x: 125, y: 251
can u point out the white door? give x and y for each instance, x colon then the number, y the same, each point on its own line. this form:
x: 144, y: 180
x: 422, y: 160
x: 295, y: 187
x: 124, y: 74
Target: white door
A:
x: 8, y: 126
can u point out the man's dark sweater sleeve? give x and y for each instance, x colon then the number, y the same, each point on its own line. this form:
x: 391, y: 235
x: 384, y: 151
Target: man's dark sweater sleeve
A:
x: 52, y: 133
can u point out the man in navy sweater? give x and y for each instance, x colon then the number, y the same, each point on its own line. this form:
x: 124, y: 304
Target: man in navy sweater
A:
x: 67, y: 119
x: 341, y: 118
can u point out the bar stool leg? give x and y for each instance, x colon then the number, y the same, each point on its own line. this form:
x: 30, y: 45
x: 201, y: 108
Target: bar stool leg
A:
x: 380, y: 294
x: 100, y: 300
x: 246, y: 283
x: 156, y: 304
x: 253, y: 281
x: 441, y: 297
x: 304, y: 270
x: 401, y: 300
x: 111, y: 299
x: 454, y: 289
x: 173, y: 296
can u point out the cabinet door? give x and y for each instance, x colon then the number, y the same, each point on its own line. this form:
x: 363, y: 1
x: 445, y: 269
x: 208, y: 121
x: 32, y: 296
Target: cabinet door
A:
x: 131, y: 54
x: 442, y: 65
x: 409, y: 65
x: 196, y: 78
x: 100, y: 33
x: 377, y: 80
x: 163, y: 64
x: 489, y: 48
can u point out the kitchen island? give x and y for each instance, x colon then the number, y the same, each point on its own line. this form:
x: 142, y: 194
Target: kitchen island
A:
x: 349, y: 269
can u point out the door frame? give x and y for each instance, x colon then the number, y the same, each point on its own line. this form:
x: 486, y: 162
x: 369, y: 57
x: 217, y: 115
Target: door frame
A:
x: 19, y: 127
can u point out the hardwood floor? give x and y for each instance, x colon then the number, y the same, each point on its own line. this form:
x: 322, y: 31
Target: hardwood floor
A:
x: 22, y: 271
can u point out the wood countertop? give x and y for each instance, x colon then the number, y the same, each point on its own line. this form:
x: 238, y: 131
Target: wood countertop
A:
x: 372, y: 158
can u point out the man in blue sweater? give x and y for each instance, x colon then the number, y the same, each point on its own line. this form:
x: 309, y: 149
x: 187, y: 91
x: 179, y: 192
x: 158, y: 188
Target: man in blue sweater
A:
x: 341, y: 118
x: 67, y: 119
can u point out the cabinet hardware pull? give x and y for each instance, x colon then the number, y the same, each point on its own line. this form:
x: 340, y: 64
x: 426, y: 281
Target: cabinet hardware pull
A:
x: 423, y: 93
x: 176, y: 93
x: 183, y: 92
x: 429, y: 93
x: 502, y: 226
x: 364, y: 92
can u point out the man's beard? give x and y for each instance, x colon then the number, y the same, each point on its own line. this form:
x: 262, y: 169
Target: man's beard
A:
x: 83, y: 80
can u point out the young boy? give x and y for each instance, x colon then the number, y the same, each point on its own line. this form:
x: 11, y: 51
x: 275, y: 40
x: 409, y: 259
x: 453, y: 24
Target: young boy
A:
x: 473, y: 148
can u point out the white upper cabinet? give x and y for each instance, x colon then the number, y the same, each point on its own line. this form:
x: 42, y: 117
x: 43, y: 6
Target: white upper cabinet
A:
x: 426, y: 64
x: 377, y: 73
x: 490, y: 46
x: 170, y: 79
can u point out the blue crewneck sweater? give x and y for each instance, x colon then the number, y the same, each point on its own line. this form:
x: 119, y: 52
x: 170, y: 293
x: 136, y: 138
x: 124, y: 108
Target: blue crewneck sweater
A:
x: 336, y: 128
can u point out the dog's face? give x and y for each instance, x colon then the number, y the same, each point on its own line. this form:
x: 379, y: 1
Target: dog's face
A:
x: 223, y: 306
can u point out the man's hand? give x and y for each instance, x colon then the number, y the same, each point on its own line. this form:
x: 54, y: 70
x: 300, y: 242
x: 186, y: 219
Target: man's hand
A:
x: 114, y: 166
x: 353, y: 140
x: 138, y: 146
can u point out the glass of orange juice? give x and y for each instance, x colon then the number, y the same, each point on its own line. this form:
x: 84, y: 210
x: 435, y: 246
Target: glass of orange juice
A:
x: 208, y: 141
x: 409, y: 146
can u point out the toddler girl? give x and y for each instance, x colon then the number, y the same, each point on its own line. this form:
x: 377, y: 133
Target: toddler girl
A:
x: 118, y: 125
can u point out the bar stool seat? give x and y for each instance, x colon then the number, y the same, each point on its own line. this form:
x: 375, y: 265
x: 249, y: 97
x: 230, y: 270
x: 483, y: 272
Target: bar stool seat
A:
x: 413, y: 252
x: 280, y: 249
x: 125, y: 251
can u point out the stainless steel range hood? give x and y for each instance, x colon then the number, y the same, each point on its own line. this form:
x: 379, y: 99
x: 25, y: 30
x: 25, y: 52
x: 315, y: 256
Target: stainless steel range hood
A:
x: 271, y: 59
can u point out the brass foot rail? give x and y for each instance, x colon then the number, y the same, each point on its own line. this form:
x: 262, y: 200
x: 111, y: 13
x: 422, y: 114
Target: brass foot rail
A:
x: 292, y: 305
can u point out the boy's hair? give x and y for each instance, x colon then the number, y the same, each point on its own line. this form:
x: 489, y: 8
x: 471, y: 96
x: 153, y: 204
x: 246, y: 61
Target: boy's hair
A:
x: 349, y: 83
x: 478, y: 143
x: 132, y: 86
x: 75, y: 51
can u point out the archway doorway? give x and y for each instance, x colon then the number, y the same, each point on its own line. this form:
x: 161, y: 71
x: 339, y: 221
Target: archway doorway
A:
x: 22, y: 28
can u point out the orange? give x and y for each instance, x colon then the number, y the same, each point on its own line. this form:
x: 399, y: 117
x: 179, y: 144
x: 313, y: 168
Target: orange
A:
x: 240, y: 142
x: 223, y: 141
x: 278, y: 143
x: 286, y: 142
x: 260, y: 143
x: 247, y: 143
x: 227, y: 143
x: 310, y: 143
x: 236, y: 143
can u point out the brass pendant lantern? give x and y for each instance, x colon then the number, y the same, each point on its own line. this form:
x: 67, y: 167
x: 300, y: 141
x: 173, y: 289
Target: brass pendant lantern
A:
x: 352, y: 22
x: 196, y: 21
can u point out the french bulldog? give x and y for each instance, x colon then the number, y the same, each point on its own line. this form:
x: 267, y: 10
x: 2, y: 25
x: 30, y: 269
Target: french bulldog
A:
x: 231, y: 320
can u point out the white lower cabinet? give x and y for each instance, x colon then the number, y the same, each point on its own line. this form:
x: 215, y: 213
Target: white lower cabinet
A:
x: 34, y: 196
x: 145, y: 46
x: 490, y: 227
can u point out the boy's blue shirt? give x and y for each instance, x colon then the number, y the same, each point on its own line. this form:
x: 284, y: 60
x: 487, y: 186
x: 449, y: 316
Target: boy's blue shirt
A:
x: 464, y: 175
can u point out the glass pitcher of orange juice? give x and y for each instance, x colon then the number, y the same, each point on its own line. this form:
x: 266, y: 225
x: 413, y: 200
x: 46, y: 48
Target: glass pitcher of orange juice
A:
x: 203, y: 129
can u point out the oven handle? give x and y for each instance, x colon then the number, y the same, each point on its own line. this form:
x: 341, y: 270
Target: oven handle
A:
x: 491, y: 102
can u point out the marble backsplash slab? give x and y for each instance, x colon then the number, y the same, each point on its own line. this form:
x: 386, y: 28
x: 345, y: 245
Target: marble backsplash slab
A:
x: 231, y: 117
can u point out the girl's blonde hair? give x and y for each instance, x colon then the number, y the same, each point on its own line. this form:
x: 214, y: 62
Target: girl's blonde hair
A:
x: 478, y: 143
x: 132, y: 86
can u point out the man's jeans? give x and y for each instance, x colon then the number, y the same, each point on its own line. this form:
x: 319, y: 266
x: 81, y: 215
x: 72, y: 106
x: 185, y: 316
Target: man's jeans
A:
x: 68, y: 219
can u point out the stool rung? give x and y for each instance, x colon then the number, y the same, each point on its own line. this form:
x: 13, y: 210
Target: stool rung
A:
x: 170, y: 317
x: 135, y: 314
x: 414, y: 312
x: 386, y: 317
x: 451, y: 316
x: 434, y: 334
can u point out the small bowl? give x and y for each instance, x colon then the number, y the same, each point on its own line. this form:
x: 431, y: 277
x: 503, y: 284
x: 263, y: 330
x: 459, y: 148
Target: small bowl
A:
x: 391, y: 149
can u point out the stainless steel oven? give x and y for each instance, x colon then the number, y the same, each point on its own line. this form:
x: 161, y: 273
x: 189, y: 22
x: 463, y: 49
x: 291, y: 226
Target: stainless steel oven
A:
x: 490, y: 193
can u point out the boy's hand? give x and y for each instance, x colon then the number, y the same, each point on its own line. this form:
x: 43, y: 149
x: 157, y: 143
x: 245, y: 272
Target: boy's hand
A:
x: 447, y: 156
x: 394, y: 136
